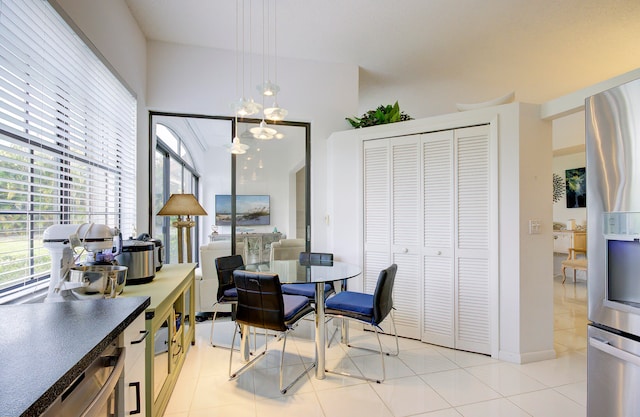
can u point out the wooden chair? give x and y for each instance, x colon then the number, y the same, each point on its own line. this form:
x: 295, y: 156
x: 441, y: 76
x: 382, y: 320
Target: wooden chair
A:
x: 577, y: 259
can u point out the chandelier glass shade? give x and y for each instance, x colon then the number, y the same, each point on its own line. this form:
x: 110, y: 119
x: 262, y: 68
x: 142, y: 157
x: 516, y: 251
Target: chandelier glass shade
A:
x: 268, y: 89
x: 238, y: 148
x: 245, y: 108
x: 263, y: 131
x: 275, y: 113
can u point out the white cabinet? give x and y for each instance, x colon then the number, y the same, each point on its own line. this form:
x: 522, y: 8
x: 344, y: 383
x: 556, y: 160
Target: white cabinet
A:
x: 134, y: 374
x: 427, y: 209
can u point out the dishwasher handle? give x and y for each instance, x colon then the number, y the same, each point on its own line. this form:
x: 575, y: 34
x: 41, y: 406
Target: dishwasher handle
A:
x: 107, y: 388
x: 614, y: 351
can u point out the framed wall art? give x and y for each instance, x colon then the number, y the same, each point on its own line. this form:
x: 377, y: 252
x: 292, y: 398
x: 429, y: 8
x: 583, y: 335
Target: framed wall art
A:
x: 576, y: 191
x: 251, y: 210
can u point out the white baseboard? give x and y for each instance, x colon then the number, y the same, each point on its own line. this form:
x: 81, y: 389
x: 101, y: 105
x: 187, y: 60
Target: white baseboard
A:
x: 527, y: 357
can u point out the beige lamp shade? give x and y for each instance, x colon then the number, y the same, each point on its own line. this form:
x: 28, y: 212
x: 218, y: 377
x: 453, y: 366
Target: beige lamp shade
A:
x: 182, y: 205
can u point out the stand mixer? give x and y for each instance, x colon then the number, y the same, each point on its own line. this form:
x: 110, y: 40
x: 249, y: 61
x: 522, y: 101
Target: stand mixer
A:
x: 62, y: 239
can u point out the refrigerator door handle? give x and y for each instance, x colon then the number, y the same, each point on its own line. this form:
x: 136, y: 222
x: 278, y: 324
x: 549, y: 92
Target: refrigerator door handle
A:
x: 613, y: 351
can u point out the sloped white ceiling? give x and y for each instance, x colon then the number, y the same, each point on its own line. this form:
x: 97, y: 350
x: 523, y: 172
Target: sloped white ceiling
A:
x: 541, y: 49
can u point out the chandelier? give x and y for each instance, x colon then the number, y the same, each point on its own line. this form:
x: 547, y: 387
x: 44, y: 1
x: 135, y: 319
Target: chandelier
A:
x: 268, y: 89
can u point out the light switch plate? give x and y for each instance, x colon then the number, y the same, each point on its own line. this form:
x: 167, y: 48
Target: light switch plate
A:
x: 534, y: 227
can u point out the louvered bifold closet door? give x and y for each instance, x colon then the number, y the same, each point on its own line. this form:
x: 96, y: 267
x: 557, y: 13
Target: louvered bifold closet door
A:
x: 406, y: 233
x: 391, y: 224
x: 438, y: 238
x: 473, y: 195
x: 377, y: 211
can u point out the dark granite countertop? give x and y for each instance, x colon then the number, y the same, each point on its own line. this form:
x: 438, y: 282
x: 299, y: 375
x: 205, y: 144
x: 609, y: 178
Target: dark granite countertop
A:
x: 44, y: 347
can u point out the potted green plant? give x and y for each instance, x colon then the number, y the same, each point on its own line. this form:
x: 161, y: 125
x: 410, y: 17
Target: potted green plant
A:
x: 381, y: 115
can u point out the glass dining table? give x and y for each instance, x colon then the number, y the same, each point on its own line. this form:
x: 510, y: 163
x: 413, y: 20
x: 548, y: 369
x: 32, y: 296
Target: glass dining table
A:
x: 292, y: 272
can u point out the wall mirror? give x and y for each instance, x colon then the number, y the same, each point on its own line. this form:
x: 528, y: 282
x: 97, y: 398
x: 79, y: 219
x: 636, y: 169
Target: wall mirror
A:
x: 251, y: 199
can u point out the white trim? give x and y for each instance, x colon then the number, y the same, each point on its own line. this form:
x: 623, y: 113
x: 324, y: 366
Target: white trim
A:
x: 494, y: 238
x: 574, y: 102
x: 541, y: 355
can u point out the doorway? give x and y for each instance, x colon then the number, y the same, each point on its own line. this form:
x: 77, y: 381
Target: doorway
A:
x: 275, y: 170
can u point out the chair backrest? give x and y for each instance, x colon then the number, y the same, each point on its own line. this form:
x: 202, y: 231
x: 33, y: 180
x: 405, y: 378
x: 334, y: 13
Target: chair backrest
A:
x: 225, y: 265
x: 382, y: 296
x: 286, y: 249
x: 260, y: 302
x: 580, y: 241
x: 208, y: 255
x: 315, y: 258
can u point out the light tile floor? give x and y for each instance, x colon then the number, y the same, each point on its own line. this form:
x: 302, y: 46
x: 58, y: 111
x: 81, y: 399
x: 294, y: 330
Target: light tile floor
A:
x: 424, y: 381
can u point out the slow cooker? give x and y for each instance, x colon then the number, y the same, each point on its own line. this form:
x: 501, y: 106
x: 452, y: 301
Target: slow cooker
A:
x: 139, y: 257
x: 159, y: 249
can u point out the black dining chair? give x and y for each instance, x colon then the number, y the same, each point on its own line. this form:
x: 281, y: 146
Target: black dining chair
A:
x: 315, y: 258
x: 227, y: 293
x: 309, y: 289
x: 261, y: 304
x: 369, y: 309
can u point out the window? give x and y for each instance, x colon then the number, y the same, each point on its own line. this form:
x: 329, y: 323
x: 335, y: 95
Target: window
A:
x: 174, y: 173
x: 67, y: 139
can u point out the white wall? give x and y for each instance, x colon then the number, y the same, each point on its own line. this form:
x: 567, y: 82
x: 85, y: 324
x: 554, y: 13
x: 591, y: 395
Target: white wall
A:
x: 568, y: 132
x: 535, y: 255
x: 187, y: 79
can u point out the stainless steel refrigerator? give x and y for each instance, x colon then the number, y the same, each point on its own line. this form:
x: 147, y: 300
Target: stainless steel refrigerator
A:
x: 613, y: 248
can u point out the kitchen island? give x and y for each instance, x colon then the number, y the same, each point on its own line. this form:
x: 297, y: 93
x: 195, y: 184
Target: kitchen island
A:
x: 44, y: 347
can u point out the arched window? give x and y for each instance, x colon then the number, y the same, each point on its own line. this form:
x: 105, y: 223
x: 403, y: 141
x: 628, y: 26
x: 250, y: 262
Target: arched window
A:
x: 174, y: 173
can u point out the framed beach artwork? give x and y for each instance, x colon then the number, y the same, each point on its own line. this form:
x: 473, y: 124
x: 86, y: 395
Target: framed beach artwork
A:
x: 576, y: 191
x: 251, y: 210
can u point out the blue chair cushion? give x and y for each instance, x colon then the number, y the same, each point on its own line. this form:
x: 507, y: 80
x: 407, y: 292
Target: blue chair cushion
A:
x: 350, y: 301
x: 230, y: 295
x: 307, y: 290
x: 293, y: 304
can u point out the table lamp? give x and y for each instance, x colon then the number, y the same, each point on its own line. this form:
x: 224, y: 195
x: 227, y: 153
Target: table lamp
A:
x: 183, y: 205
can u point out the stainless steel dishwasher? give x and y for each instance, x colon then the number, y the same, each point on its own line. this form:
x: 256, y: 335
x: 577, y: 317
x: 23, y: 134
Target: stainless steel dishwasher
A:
x: 614, y: 373
x: 97, y: 392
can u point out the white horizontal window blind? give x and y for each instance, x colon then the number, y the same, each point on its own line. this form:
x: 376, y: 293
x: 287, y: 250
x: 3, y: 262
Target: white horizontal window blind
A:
x: 67, y: 138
